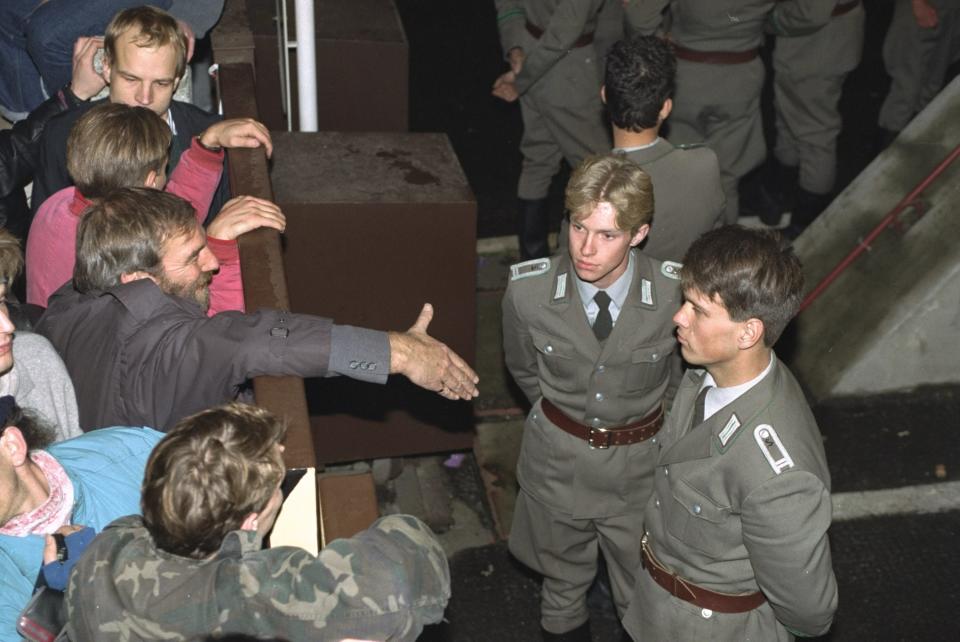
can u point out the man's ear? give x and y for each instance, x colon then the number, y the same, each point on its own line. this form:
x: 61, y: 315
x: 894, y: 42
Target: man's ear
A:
x: 106, y: 69
x: 251, y: 522
x: 640, y: 235
x: 13, y: 447
x: 151, y: 181
x: 665, y: 110
x: 751, y: 333
x: 128, y: 277
x: 603, y: 94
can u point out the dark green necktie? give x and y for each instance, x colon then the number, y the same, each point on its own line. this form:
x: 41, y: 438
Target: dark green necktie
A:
x: 699, y: 407
x: 604, y: 322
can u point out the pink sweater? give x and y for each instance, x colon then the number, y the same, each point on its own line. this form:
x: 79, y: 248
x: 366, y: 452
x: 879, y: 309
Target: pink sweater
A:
x: 52, y: 243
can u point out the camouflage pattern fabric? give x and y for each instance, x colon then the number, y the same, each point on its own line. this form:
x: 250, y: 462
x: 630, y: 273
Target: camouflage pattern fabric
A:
x: 385, y: 583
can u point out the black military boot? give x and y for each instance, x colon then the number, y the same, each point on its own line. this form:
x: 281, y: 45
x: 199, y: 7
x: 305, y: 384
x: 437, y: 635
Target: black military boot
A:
x: 579, y: 634
x: 772, y: 192
x: 807, y: 208
x: 533, y: 224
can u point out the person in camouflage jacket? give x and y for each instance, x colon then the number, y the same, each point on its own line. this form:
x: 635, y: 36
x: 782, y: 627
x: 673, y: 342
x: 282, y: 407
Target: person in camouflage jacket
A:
x: 193, y: 565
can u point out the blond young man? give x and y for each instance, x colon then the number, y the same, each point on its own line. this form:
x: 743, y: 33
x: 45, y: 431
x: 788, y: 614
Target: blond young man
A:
x: 587, y: 337
x: 146, y: 54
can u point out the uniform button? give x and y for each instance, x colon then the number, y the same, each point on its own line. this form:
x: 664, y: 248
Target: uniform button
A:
x: 707, y: 613
x: 601, y: 368
x: 598, y: 396
x: 656, y: 502
x: 696, y: 509
x: 354, y: 365
x: 548, y: 348
x: 596, y: 422
x: 655, y: 355
x: 653, y: 441
x: 666, y: 471
x: 534, y: 416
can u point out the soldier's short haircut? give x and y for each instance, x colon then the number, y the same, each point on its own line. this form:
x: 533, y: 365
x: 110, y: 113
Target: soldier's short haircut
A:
x: 208, y: 474
x: 614, y: 179
x: 36, y: 434
x: 640, y: 76
x: 754, y: 274
x: 125, y: 232
x: 11, y: 257
x: 113, y: 146
x: 154, y: 28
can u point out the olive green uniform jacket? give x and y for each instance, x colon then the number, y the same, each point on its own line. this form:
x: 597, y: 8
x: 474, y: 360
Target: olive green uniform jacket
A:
x: 741, y: 503
x: 575, y: 499
x: 688, y: 196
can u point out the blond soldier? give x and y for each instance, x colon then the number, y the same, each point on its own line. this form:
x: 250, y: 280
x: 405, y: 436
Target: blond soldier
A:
x: 587, y: 337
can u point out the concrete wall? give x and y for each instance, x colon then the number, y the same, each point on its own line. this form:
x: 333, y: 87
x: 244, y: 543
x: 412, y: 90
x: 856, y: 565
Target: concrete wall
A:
x: 891, y: 321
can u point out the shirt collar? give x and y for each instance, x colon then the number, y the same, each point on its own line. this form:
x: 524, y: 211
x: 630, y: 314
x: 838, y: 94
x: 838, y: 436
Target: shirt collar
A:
x: 637, y: 148
x: 173, y: 125
x: 79, y: 203
x: 617, y: 291
x: 718, y: 397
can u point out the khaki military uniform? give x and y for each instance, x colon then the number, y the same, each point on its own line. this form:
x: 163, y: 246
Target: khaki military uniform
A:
x: 574, y: 498
x: 809, y: 74
x: 559, y: 86
x: 741, y: 503
x: 917, y: 59
x: 688, y: 196
x: 719, y: 104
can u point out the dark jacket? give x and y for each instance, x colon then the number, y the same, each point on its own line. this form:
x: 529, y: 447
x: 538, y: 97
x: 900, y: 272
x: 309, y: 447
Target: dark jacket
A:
x: 53, y: 176
x: 139, y: 357
x: 19, y: 154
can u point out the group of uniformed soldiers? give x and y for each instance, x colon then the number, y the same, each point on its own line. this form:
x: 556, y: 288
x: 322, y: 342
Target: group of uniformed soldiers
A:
x: 707, y: 494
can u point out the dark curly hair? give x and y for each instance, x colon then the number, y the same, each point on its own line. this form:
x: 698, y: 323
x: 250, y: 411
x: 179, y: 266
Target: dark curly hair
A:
x: 640, y: 77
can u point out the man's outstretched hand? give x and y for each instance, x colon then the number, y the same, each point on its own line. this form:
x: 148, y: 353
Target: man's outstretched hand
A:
x: 429, y: 363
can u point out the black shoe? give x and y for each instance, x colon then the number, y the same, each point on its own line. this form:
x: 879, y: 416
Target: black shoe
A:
x: 579, y: 634
x: 532, y: 228
x: 806, y: 210
x: 768, y: 192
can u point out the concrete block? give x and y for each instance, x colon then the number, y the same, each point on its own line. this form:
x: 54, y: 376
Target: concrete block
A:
x: 891, y: 320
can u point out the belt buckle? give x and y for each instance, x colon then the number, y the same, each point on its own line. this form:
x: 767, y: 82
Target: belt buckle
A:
x: 591, y: 438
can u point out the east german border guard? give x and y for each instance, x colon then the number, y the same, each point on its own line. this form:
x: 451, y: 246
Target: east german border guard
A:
x: 736, y: 541
x: 587, y: 337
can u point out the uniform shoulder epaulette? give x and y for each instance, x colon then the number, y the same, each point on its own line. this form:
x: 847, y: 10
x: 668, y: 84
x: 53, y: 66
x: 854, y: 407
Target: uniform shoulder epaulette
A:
x: 533, y: 267
x: 689, y: 145
x: 772, y: 448
x: 671, y: 269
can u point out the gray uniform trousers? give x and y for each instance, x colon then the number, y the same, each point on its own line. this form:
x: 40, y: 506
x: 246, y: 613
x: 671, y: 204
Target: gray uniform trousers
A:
x: 575, y: 500
x: 809, y: 74
x: 917, y: 59
x: 562, y: 119
x: 719, y: 105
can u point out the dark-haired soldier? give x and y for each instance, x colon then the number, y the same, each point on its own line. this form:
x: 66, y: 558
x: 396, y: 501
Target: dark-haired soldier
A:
x: 735, y: 544
x: 638, y: 89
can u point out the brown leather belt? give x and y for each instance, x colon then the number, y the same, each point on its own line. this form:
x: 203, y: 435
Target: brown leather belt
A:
x: 844, y: 7
x: 582, y: 41
x: 704, y: 598
x: 603, y: 438
x: 715, y: 57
